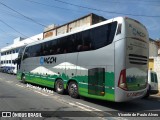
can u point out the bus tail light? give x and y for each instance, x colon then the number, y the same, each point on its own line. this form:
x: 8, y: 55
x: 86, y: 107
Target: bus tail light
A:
x: 122, y: 80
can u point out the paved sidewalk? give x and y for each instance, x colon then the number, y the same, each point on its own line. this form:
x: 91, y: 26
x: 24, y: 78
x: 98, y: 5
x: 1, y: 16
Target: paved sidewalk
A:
x: 156, y: 95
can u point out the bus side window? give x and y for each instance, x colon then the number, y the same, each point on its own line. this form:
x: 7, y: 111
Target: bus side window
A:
x: 34, y: 51
x: 78, y: 42
x: 41, y: 49
x: 87, y: 42
x: 99, y: 37
x: 37, y: 50
x: 46, y: 50
x: 102, y: 39
x: 59, y: 49
x: 53, y: 47
x: 29, y: 51
x: 112, y: 30
x: 62, y: 45
x: 25, y: 54
x: 71, y: 47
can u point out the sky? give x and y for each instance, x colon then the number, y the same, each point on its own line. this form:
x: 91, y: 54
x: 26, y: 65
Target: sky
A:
x: 26, y: 18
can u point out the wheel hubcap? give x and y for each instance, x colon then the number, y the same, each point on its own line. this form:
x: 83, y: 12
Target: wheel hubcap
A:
x: 73, y: 89
x: 23, y: 78
x: 59, y: 86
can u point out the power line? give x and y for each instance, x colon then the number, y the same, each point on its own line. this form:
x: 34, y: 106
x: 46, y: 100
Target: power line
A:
x: 7, y: 33
x: 89, y: 8
x: 138, y: 1
x: 12, y: 28
x: 2, y: 30
x: 103, y: 10
x: 133, y: 2
x: 22, y: 14
x: 13, y: 15
x: 15, y: 30
x: 51, y: 6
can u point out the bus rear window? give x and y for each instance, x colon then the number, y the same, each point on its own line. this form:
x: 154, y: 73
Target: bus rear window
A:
x: 104, y: 35
x: 119, y: 29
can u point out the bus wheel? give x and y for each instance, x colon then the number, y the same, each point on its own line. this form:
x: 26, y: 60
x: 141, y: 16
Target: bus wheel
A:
x: 59, y: 86
x: 73, y: 90
x: 23, y: 79
x: 147, y: 94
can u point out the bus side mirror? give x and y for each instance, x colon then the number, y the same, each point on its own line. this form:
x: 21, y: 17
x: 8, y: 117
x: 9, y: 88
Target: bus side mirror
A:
x: 15, y: 61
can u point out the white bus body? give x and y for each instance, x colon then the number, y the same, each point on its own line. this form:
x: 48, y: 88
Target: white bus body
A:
x: 110, y: 65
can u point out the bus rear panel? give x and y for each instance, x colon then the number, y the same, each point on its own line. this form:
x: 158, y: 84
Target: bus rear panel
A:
x: 132, y: 79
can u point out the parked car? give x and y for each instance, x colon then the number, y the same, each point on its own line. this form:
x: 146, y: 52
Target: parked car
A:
x: 152, y: 84
x: 13, y: 70
x: 1, y: 69
x: 10, y: 70
x: 5, y: 69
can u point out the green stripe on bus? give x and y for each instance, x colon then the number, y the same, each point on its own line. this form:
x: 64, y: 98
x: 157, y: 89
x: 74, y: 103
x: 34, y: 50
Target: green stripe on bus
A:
x: 49, y: 80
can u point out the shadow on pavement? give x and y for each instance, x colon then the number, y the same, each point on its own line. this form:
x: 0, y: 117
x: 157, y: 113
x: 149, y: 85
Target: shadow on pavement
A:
x: 152, y: 103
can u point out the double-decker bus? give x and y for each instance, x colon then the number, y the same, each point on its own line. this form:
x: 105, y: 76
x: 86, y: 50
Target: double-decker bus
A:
x: 106, y: 61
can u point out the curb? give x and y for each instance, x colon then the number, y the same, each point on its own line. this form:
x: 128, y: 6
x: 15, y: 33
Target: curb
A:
x: 155, y: 96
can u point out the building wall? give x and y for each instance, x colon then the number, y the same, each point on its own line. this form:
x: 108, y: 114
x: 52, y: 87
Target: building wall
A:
x: 50, y: 33
x: 154, y: 59
x: 75, y: 25
x: 158, y: 44
x: 10, y: 53
x: 157, y: 69
x: 153, y: 52
x: 153, y: 49
x: 17, y: 40
x: 151, y: 64
x: 62, y: 30
x: 79, y: 24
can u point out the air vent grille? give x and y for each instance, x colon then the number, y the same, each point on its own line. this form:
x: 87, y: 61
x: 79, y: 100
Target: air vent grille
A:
x: 138, y: 59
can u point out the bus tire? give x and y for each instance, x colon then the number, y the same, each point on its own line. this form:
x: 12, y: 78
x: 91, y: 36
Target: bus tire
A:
x: 148, y: 93
x: 73, y: 89
x: 23, y: 79
x: 59, y: 86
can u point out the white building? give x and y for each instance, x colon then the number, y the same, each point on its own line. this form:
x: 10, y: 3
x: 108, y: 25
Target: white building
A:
x: 10, y: 52
x: 153, y: 48
x: 154, y: 58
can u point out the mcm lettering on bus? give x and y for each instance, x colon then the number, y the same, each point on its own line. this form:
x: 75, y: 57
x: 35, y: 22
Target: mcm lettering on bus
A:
x: 48, y: 60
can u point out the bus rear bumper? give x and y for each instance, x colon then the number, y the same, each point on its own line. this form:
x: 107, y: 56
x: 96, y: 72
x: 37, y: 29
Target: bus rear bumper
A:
x: 122, y: 95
